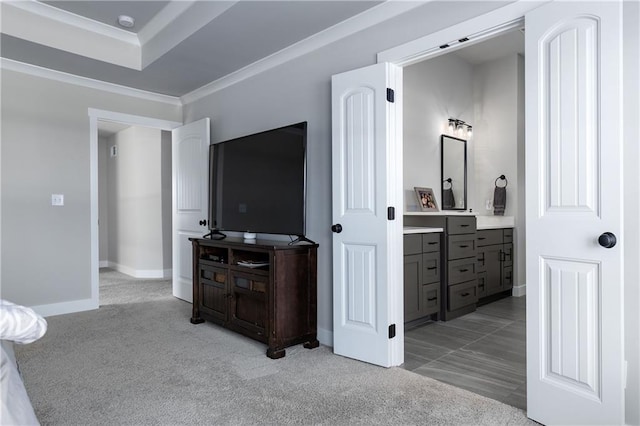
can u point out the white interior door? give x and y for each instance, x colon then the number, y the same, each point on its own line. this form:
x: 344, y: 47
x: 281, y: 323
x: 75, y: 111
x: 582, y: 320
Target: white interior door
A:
x: 190, y: 162
x: 575, y: 370
x: 367, y: 187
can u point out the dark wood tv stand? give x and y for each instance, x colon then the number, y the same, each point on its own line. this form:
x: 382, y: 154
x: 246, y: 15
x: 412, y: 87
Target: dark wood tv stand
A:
x: 265, y: 290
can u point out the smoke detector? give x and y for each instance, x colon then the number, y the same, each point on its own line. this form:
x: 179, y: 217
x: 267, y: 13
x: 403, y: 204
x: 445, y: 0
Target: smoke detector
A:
x: 126, y: 21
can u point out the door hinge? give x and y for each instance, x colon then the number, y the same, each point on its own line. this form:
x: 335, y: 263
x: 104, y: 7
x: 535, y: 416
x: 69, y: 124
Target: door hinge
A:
x: 391, y: 213
x: 392, y: 331
x: 391, y: 95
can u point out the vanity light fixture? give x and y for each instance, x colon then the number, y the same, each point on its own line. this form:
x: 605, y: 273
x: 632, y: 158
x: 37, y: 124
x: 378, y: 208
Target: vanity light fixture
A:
x: 459, y: 128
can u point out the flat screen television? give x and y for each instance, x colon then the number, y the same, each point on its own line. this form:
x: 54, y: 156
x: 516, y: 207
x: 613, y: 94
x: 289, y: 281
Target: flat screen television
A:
x: 258, y: 183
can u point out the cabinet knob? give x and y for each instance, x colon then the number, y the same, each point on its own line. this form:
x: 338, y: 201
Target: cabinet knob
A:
x: 203, y: 222
x: 607, y: 240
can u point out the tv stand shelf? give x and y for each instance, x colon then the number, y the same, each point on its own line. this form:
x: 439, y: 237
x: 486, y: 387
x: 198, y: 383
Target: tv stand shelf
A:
x: 272, y: 298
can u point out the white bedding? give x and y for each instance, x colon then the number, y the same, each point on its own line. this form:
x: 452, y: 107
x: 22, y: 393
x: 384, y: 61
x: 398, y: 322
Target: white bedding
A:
x: 18, y: 324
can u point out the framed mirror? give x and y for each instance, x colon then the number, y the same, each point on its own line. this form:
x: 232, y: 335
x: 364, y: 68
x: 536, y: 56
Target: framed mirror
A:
x: 454, y: 173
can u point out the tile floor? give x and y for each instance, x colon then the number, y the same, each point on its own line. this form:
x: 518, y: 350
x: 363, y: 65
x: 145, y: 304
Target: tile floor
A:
x: 483, y: 352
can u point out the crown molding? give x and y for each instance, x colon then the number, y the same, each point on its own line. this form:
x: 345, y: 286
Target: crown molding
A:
x: 63, y: 77
x: 175, y: 23
x: 63, y: 16
x: 366, y: 19
x: 49, y: 26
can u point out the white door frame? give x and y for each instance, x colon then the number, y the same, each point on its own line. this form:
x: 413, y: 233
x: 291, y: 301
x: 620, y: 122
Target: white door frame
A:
x: 477, y: 30
x: 94, y: 116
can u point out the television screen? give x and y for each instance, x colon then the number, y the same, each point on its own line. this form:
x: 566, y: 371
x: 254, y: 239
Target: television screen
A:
x: 258, y: 182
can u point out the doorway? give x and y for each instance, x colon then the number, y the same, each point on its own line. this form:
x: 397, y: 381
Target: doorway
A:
x: 134, y: 179
x: 483, y: 351
x: 119, y: 122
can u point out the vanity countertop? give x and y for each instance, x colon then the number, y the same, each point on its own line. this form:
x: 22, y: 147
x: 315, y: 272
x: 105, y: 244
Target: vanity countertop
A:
x: 494, y: 222
x: 441, y: 213
x: 420, y: 230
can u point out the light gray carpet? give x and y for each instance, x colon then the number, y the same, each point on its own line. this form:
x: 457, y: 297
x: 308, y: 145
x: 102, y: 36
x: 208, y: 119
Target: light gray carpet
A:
x: 138, y: 360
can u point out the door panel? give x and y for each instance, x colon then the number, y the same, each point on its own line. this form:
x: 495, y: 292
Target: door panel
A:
x: 367, y: 253
x: 190, y: 162
x: 575, y: 327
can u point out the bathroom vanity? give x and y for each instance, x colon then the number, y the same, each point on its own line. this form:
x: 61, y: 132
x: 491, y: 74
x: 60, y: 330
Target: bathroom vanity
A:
x: 454, y: 262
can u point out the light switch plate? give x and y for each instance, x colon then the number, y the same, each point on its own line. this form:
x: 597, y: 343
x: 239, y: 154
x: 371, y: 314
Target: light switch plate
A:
x: 57, y: 199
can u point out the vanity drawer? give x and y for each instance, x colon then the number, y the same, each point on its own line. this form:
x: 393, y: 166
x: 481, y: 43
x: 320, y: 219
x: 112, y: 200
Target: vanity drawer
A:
x: 487, y: 237
x: 461, y: 270
x: 461, y: 246
x: 431, y: 268
x: 431, y: 242
x: 508, y: 235
x: 461, y: 225
x: 461, y: 295
x: 413, y: 244
x: 431, y: 298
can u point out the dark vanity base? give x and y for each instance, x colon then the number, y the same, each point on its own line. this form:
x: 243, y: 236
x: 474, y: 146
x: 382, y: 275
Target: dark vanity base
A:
x: 495, y: 297
x: 421, y: 321
x: 460, y: 312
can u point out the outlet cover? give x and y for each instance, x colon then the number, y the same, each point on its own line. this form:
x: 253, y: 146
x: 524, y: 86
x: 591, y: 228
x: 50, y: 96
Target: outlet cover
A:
x: 57, y: 200
x: 488, y: 204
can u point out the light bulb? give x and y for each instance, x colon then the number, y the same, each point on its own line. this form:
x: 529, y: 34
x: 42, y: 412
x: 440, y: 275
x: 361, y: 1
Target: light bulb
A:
x: 469, y: 131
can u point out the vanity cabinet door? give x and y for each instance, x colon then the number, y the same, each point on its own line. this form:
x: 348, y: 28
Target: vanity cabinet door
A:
x: 493, y: 268
x: 412, y: 287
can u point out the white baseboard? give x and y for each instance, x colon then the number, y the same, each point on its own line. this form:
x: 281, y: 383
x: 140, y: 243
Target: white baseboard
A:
x: 325, y: 336
x: 140, y: 273
x: 66, y: 307
x: 519, y: 290
x: 103, y: 264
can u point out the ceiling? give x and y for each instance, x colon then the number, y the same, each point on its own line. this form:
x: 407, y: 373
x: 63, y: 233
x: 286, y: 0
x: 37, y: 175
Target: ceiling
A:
x: 493, y: 48
x: 175, y: 47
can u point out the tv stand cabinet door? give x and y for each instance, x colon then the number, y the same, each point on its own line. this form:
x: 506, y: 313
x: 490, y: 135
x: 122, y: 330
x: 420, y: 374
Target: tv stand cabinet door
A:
x: 248, y: 304
x: 214, y: 292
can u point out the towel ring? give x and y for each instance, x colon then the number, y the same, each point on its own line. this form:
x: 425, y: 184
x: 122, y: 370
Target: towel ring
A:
x: 447, y: 181
x: 501, y: 177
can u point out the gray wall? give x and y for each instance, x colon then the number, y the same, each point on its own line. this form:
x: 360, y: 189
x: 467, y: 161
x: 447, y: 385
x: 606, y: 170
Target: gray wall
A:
x: 495, y: 125
x: 167, y: 228
x: 434, y: 90
x: 45, y: 150
x: 103, y: 218
x: 631, y: 237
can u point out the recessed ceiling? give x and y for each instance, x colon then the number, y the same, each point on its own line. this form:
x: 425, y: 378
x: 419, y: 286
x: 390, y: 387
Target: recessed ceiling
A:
x: 107, y: 12
x: 178, y: 46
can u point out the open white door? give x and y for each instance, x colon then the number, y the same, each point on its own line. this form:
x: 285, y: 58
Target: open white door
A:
x: 190, y: 162
x: 575, y: 370
x: 367, y: 215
